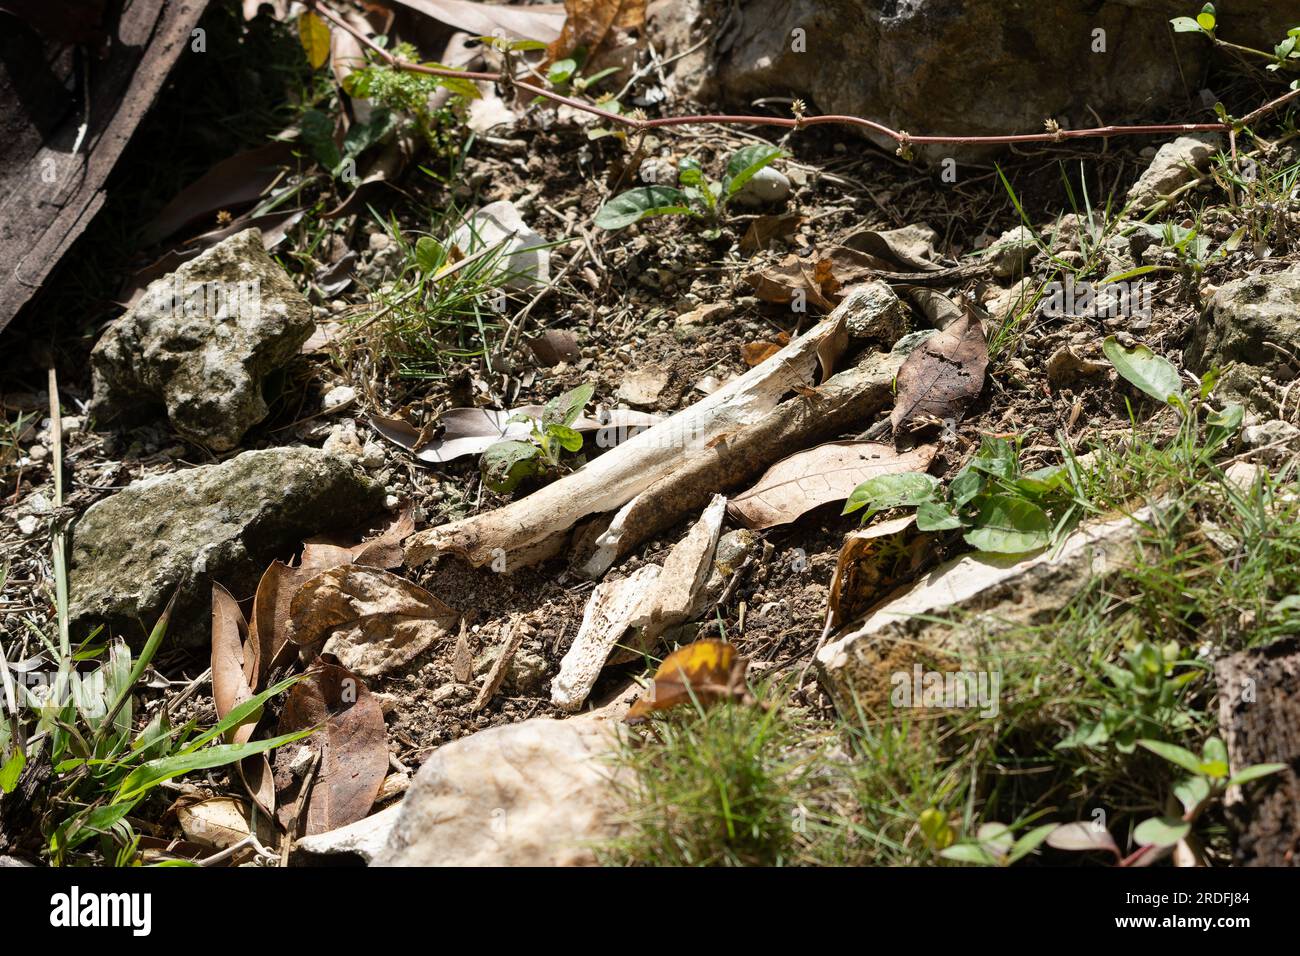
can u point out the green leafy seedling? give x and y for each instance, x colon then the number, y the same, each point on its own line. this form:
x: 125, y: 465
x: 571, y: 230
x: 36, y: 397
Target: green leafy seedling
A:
x: 698, y: 196
x: 507, y: 463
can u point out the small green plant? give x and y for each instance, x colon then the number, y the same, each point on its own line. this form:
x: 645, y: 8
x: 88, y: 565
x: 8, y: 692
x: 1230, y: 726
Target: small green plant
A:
x: 507, y: 463
x: 999, y: 507
x: 995, y: 844
x: 1156, y: 837
x: 699, y: 197
x: 566, y: 77
x: 409, y: 94
x: 1285, y: 55
x: 1145, y: 697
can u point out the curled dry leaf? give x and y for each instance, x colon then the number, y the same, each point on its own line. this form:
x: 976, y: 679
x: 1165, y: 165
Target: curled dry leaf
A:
x: 215, y: 822
x: 908, y: 247
x: 817, y: 278
x: 818, y: 476
x: 764, y: 229
x: 352, y: 745
x: 872, y: 563
x: 231, y: 686
x: 472, y: 431
x: 372, y: 620
x: 270, y: 647
x: 943, y: 374
x: 707, y: 671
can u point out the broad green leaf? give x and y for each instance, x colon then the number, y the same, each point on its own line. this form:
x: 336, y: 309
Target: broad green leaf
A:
x: 966, y: 486
x: 569, y: 439
x: 1191, y: 792
x: 561, y: 71
x: 1174, y: 754
x: 1009, y: 525
x: 429, y: 255
x: 640, y: 203
x: 507, y: 463
x: 745, y: 162
x: 969, y: 853
x: 1085, y: 735
x: 317, y: 132
x: 936, y: 516
x: 456, y: 84
x: 1161, y: 831
x: 1206, y: 20
x: 566, y: 408
x: 1149, y: 372
x: 1256, y: 772
x: 315, y: 38
x: 12, y: 769
x: 1214, y: 751
x: 892, y: 491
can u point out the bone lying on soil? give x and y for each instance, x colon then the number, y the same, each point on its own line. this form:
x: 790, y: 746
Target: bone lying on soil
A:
x: 847, y: 401
x: 616, y: 477
x: 651, y: 599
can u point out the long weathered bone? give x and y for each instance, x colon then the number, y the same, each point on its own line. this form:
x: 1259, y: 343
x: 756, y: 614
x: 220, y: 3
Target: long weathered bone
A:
x: 618, y: 476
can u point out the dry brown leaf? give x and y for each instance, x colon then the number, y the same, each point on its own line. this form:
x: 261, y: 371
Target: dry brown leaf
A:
x: 540, y: 22
x: 943, y: 374
x: 215, y: 822
x: 818, y: 277
x: 228, y: 185
x: 231, y: 687
x: 907, y: 248
x: 755, y: 352
x: 554, y: 346
x: 873, y: 562
x: 270, y: 647
x: 371, y: 619
x: 818, y: 476
x: 588, y: 25
x: 462, y: 658
x: 764, y: 229
x: 352, y: 744
x: 704, y: 670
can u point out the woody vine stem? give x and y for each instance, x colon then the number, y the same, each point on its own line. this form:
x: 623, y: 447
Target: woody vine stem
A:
x: 1054, y: 133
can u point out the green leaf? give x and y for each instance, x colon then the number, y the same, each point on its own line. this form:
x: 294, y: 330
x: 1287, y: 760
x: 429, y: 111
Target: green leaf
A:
x: 934, y: 825
x: 507, y: 463
x: 1174, y: 754
x: 561, y: 71
x: 429, y: 255
x: 315, y: 38
x: 1161, y: 831
x: 969, y: 853
x: 1206, y: 20
x: 640, y: 203
x: 565, y: 409
x: 1149, y: 372
x: 745, y: 162
x: 1255, y: 772
x: 569, y: 439
x: 1006, y: 524
x: 317, y: 132
x: 936, y: 516
x: 1192, y: 792
x: 1030, y: 842
x: 155, y: 772
x: 892, y: 491
x: 12, y: 769
x: 966, y: 486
